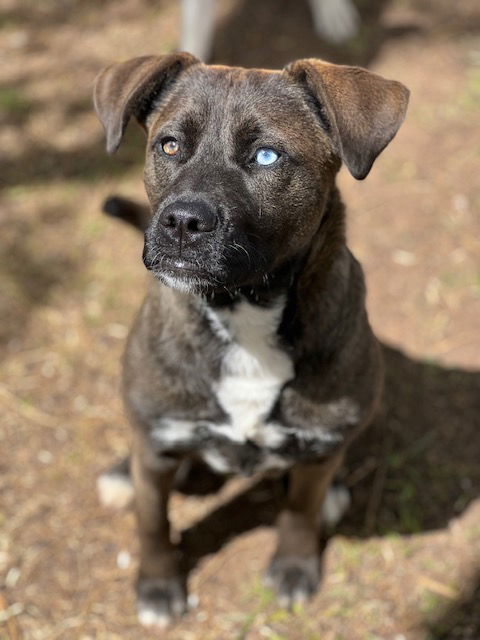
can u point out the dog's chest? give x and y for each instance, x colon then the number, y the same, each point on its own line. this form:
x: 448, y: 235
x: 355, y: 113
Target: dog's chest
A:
x: 253, y: 370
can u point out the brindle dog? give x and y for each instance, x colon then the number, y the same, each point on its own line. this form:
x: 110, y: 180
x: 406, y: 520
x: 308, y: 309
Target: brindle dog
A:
x: 252, y: 350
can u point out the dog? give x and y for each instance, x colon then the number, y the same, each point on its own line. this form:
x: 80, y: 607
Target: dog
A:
x: 334, y: 20
x: 252, y: 351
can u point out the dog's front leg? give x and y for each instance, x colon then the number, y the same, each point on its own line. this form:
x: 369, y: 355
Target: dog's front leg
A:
x: 161, y: 588
x: 295, y: 567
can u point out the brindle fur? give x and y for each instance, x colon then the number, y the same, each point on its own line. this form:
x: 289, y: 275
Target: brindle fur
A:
x: 279, y: 232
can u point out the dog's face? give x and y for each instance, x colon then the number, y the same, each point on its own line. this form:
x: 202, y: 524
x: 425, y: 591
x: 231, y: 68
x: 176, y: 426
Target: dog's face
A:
x: 235, y: 187
x: 240, y: 163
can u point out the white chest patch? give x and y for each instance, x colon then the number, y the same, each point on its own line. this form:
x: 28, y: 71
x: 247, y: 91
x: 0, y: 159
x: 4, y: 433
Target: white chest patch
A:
x: 254, y: 369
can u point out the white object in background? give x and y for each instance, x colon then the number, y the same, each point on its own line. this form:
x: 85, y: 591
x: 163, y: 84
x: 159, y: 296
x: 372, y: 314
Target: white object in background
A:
x: 198, y: 23
x: 334, y: 20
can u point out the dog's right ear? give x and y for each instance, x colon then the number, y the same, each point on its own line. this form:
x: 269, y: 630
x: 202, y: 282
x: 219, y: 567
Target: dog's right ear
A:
x: 130, y: 88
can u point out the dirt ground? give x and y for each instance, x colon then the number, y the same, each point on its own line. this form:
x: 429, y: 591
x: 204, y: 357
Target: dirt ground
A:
x: 405, y: 563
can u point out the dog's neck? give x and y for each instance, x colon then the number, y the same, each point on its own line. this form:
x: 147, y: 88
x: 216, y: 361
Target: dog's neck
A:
x: 263, y: 294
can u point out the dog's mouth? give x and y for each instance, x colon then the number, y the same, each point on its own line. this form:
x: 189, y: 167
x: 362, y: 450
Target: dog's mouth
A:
x: 185, y: 249
x: 223, y: 265
x: 182, y: 274
x: 216, y: 275
x: 178, y: 267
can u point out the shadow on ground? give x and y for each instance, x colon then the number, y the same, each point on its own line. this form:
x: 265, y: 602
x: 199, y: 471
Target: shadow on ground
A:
x: 42, y: 162
x: 461, y: 621
x: 34, y: 262
x: 273, y: 32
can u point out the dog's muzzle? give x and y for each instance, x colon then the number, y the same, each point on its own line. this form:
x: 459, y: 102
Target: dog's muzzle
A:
x: 180, y: 236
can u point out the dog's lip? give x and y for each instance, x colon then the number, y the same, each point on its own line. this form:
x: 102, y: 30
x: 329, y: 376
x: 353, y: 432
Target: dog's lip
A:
x: 183, y: 265
x: 178, y: 266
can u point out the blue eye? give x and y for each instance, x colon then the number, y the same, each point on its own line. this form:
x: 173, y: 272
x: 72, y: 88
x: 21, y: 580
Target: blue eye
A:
x: 266, y: 156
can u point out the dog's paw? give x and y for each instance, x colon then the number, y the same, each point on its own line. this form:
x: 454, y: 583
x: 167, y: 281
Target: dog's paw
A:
x: 336, y: 503
x: 161, y: 601
x: 294, y: 578
x: 115, y: 488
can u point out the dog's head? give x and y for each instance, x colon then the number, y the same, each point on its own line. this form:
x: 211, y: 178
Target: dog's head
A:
x: 240, y: 163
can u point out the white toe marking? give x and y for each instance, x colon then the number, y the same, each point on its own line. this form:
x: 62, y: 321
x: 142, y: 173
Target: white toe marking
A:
x: 148, y: 617
x: 335, y: 505
x: 171, y: 432
x: 270, y: 435
x: 216, y: 460
x: 115, y: 490
x: 299, y: 596
x: 284, y: 601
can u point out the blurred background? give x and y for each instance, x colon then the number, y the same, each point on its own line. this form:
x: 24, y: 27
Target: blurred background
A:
x: 405, y: 564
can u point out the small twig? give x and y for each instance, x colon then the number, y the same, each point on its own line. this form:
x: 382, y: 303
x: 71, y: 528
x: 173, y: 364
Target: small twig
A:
x: 10, y: 623
x: 438, y: 587
x: 361, y: 472
x: 376, y: 493
x: 27, y: 411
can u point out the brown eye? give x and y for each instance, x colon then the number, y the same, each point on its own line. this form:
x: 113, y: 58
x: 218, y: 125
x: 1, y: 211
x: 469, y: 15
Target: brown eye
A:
x: 170, y: 146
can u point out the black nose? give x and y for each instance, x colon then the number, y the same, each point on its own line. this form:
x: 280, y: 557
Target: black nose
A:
x: 188, y: 218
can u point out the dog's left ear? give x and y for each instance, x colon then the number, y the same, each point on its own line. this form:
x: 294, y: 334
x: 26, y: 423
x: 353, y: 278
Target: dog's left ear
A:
x: 130, y: 88
x: 360, y: 110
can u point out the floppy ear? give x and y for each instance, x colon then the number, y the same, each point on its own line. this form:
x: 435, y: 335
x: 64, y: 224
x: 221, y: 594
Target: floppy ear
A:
x: 129, y: 89
x: 360, y: 110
